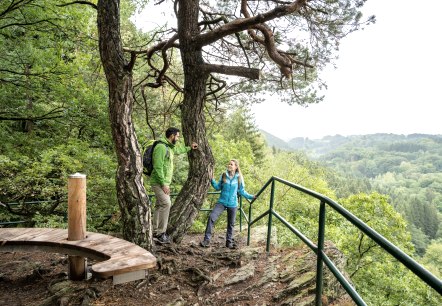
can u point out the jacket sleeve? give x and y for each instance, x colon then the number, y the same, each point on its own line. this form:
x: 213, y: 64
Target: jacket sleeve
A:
x: 159, y: 156
x: 243, y: 192
x: 181, y: 149
x: 217, y: 185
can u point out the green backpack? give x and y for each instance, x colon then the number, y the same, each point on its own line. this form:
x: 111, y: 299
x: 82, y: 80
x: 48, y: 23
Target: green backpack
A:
x: 148, y: 156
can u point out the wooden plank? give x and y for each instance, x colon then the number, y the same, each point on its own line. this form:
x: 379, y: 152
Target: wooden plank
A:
x: 39, y: 236
x: 21, y: 233
x: 8, y: 233
x: 32, y: 233
x: 122, y: 258
x: 90, y: 243
x: 128, y: 277
x: 95, y: 236
x: 55, y: 235
x: 115, y: 266
x: 46, y: 246
x: 121, y: 248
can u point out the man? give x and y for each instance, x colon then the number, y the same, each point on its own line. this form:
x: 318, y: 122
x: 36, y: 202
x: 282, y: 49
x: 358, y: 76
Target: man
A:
x: 161, y: 177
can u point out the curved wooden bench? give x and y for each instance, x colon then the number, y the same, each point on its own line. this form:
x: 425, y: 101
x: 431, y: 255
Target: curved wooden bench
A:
x: 120, y: 259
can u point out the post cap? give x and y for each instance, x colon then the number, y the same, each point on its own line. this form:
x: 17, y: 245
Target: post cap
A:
x: 77, y: 175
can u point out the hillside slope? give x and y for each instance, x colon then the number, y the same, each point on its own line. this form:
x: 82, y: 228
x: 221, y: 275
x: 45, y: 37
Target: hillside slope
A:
x: 187, y: 275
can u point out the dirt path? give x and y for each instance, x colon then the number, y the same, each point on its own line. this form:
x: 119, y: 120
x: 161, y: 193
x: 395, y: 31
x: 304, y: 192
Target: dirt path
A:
x: 187, y: 274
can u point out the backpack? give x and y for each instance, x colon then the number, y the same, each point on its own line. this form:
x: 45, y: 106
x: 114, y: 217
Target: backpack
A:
x: 148, y: 157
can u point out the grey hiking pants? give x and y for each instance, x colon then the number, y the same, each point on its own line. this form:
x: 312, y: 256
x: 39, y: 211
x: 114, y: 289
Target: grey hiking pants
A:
x: 216, y: 212
x: 161, y: 211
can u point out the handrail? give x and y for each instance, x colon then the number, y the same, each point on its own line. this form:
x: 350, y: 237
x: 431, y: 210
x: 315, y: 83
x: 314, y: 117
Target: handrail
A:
x: 12, y: 222
x: 242, y: 213
x: 406, y: 260
x: 106, y: 217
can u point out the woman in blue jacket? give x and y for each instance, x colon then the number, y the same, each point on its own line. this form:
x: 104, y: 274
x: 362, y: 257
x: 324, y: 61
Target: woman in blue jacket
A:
x: 231, y: 183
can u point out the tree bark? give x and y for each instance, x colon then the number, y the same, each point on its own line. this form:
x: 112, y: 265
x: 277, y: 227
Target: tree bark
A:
x: 201, y: 162
x: 132, y: 198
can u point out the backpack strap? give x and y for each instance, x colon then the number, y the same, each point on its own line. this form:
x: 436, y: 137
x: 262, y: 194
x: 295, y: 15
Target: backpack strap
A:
x: 224, y: 177
x: 167, y: 147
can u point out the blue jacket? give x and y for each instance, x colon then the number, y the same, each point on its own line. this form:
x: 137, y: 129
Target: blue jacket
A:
x: 229, y: 190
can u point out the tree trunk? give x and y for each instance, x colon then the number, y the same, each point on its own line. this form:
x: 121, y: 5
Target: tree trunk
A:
x: 132, y: 198
x: 201, y: 162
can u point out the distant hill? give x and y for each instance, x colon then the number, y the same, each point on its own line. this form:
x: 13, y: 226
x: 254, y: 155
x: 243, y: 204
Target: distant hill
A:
x: 407, y: 168
x: 314, y: 147
x: 319, y: 147
x: 275, y: 142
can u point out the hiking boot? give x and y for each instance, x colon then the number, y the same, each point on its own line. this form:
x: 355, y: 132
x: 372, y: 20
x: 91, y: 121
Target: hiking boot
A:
x: 205, y: 243
x: 162, y: 238
x: 231, y: 244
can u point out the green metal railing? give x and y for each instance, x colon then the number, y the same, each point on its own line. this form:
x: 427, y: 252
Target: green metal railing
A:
x: 322, y: 258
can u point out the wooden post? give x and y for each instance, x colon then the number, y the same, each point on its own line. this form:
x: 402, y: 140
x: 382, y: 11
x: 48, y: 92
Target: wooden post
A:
x: 77, y: 222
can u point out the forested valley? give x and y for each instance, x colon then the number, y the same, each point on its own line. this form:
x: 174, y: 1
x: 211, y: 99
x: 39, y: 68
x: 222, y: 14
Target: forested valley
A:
x: 407, y: 168
x: 54, y: 121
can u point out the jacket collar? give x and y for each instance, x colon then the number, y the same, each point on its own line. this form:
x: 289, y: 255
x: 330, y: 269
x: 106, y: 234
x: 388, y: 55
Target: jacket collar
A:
x: 234, y: 176
x: 167, y: 142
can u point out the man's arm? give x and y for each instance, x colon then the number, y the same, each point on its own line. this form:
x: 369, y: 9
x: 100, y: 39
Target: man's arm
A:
x: 185, y: 149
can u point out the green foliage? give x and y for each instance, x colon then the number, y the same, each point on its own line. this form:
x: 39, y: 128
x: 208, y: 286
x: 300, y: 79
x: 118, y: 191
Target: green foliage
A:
x: 224, y: 150
x: 407, y: 168
x: 433, y: 258
x: 44, y: 177
x: 345, y: 185
x: 387, y: 282
x: 43, y: 58
x: 53, y: 113
x: 419, y: 239
x: 376, y: 212
x: 199, y: 226
x: 378, y: 277
x: 297, y: 208
x: 239, y: 126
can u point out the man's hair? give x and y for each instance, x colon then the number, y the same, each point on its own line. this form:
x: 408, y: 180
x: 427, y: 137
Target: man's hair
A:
x: 171, y: 131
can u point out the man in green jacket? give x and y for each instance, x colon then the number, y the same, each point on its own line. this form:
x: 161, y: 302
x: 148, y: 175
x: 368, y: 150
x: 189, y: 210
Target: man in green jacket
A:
x: 161, y: 177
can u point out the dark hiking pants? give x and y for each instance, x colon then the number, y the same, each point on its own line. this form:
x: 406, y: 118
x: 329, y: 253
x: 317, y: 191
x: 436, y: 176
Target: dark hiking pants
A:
x: 214, y: 215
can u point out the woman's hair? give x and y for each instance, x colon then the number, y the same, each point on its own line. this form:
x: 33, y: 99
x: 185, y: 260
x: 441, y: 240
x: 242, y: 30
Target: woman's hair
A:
x: 238, y: 169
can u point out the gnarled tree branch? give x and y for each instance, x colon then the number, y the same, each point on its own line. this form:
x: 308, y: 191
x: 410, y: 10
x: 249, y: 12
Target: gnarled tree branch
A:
x: 250, y: 73
x: 242, y: 24
x: 79, y: 2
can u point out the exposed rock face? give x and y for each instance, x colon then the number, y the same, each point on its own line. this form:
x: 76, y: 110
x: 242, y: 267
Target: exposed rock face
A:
x: 285, y: 276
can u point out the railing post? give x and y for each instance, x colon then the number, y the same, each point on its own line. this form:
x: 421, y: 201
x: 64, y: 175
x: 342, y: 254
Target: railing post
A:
x: 249, y: 225
x: 240, y: 213
x: 319, y: 263
x: 269, y: 227
x: 77, y: 222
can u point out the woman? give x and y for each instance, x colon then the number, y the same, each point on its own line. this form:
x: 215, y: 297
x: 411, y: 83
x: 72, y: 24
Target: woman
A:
x: 231, y: 183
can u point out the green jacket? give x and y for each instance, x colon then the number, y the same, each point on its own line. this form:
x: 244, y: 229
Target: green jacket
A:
x: 163, y: 163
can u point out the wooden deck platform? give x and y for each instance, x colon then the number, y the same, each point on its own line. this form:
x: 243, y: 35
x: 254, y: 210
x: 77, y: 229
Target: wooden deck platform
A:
x: 118, y: 258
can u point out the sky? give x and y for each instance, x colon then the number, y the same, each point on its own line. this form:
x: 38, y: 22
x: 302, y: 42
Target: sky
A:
x: 388, y: 79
